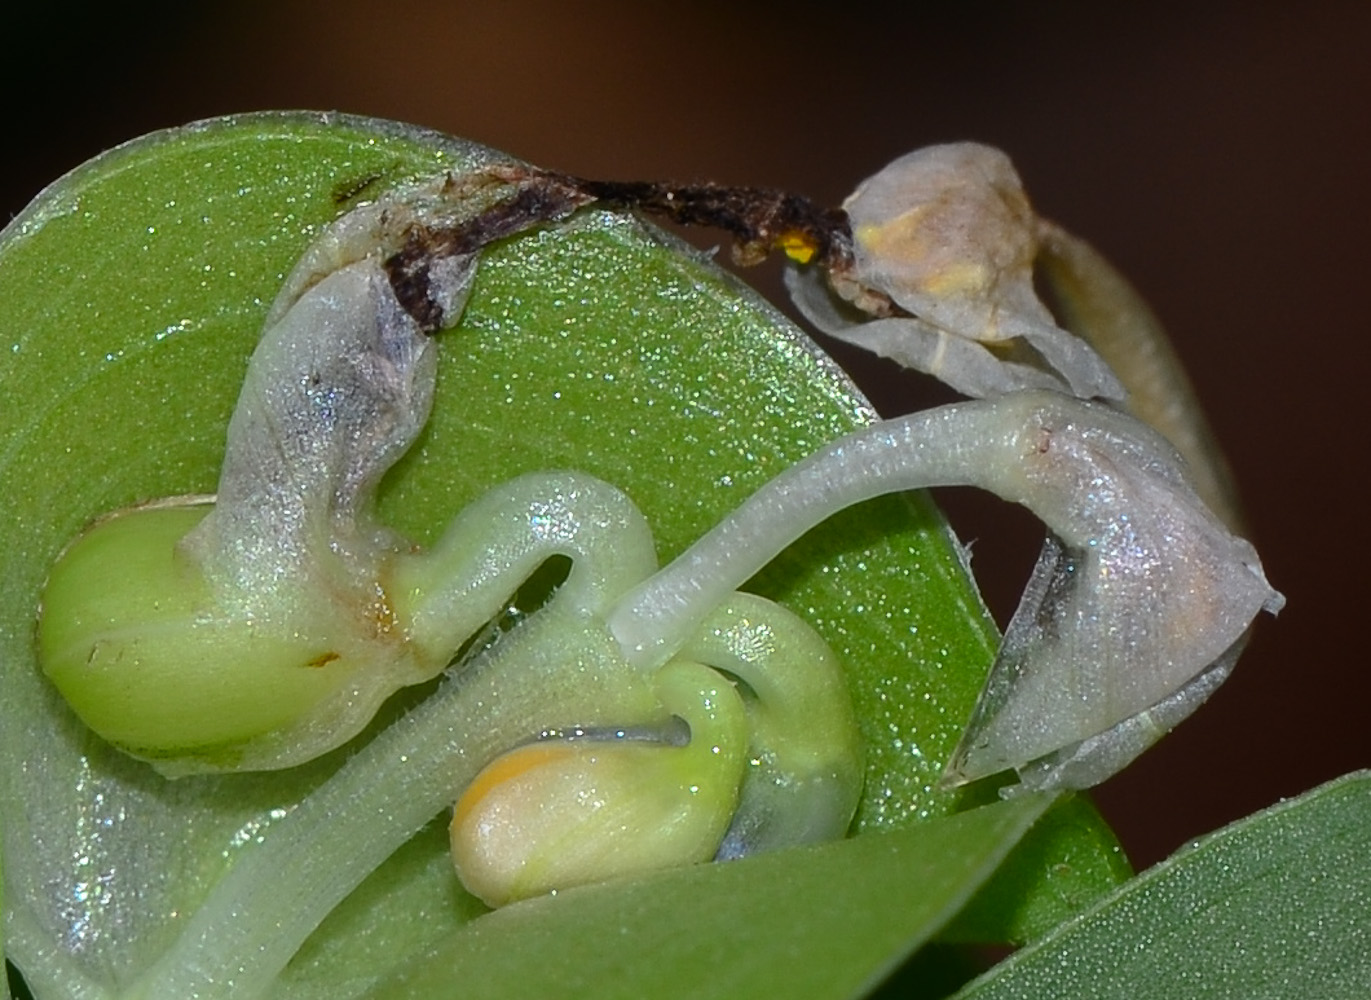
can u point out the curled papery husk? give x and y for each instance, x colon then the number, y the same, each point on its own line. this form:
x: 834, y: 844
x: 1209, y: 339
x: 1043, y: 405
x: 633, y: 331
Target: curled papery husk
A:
x: 1135, y: 612
x: 947, y: 234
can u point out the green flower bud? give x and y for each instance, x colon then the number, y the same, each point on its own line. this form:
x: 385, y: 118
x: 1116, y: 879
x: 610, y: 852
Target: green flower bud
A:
x: 566, y: 812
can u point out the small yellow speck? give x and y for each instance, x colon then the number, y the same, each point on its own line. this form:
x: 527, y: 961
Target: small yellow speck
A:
x: 797, y: 246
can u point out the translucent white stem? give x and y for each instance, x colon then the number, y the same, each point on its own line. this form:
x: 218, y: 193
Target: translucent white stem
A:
x: 552, y: 670
x: 1083, y: 468
x: 1140, y: 591
x: 972, y: 443
x: 493, y: 545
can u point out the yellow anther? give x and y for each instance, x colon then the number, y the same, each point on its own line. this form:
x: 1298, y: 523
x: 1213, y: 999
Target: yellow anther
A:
x: 798, y: 246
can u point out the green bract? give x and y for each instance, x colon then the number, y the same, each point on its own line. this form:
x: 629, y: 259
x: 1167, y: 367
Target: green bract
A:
x: 133, y: 293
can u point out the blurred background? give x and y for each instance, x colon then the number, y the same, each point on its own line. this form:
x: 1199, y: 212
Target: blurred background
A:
x: 1219, y: 153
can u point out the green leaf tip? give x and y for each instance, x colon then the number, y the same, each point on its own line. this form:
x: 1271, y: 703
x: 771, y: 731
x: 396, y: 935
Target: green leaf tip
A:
x: 1272, y: 906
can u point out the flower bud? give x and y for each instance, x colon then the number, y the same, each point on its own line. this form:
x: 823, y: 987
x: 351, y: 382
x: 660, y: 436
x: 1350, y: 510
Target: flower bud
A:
x: 566, y: 812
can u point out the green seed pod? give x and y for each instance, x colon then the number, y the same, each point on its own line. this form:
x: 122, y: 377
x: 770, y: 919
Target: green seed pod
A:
x: 138, y: 641
x: 256, y: 632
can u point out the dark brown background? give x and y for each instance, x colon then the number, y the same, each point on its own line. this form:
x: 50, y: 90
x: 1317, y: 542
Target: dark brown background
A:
x: 1220, y: 157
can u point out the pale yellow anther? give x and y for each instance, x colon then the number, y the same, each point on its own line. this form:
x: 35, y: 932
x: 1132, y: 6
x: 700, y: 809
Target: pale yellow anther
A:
x: 562, y: 813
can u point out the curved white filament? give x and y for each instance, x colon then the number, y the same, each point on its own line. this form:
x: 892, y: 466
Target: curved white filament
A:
x: 495, y: 543
x: 966, y: 443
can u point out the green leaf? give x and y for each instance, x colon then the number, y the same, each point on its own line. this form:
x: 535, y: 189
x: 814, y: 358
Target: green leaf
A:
x: 132, y: 293
x: 1274, y: 906
x: 1040, y: 885
x: 874, y: 900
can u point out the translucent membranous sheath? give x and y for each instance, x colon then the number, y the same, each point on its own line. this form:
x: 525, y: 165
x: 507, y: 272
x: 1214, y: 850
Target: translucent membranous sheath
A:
x: 1155, y: 592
